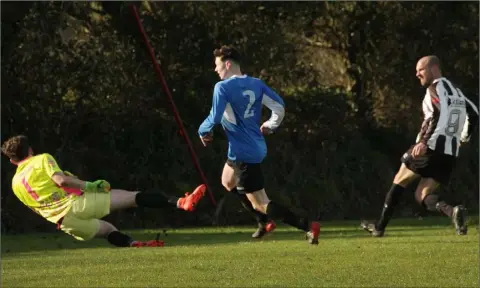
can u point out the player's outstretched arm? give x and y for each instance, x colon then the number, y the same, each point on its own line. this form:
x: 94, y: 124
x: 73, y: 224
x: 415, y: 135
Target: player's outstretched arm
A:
x: 60, y: 178
x: 51, y: 168
x: 63, y: 180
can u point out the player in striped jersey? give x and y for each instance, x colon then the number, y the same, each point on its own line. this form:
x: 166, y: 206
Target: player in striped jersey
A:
x: 449, y: 121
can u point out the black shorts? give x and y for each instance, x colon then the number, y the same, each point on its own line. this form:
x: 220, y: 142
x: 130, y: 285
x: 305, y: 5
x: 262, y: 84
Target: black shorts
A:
x: 250, y: 176
x: 435, y: 165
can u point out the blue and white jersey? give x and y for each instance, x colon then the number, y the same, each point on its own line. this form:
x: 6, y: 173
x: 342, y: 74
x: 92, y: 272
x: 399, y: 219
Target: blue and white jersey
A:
x: 237, y: 105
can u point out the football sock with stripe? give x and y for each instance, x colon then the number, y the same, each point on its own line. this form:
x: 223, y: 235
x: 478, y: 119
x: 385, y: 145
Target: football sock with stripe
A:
x: 391, y: 200
x: 433, y: 203
x: 259, y: 216
x: 278, y: 211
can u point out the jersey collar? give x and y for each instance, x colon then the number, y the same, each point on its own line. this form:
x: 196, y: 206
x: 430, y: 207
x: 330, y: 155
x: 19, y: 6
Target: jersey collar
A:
x: 238, y: 76
x: 438, y: 79
x: 24, y: 160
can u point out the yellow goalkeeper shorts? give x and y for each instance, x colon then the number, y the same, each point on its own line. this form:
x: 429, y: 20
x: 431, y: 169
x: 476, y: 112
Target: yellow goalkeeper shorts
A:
x: 82, y: 221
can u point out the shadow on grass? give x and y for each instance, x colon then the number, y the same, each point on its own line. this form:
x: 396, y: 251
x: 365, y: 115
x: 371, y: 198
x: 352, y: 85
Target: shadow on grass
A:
x: 57, y: 241
x: 212, y: 236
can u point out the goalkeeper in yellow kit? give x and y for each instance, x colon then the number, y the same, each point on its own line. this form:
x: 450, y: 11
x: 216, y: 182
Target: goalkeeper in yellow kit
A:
x: 77, y: 206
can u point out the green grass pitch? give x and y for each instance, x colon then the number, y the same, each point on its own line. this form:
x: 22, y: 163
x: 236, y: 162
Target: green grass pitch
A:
x: 414, y: 253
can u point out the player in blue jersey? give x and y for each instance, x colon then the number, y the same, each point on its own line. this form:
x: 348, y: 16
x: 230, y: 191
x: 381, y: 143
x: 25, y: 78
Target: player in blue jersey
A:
x: 237, y: 105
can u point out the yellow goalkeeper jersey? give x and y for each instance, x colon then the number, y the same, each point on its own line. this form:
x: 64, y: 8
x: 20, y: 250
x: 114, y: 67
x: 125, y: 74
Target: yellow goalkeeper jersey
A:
x: 33, y: 185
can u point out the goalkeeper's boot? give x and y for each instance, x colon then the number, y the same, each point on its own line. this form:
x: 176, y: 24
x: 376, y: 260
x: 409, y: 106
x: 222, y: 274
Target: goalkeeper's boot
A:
x: 189, y: 202
x: 312, y: 235
x: 150, y: 243
x: 154, y: 243
x: 137, y: 244
x: 371, y: 228
x: 459, y: 219
x: 264, y: 229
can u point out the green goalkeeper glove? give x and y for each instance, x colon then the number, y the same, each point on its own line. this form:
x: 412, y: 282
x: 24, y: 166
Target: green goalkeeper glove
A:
x: 97, y: 186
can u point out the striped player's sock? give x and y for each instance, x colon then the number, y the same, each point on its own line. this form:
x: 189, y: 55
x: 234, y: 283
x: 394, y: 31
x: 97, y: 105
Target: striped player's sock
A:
x: 432, y: 202
x: 391, y: 200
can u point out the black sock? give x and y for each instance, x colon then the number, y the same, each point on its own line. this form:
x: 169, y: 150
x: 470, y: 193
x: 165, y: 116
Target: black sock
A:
x: 432, y: 203
x: 261, y: 218
x: 278, y: 211
x: 155, y: 200
x: 119, y: 239
x: 391, y: 200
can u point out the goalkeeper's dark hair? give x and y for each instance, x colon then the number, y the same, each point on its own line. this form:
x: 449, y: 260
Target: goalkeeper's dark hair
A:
x: 227, y: 52
x: 16, y: 148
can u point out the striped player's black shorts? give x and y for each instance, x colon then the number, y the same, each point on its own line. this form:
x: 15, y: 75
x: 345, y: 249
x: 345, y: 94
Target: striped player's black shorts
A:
x: 432, y: 164
x: 250, y: 176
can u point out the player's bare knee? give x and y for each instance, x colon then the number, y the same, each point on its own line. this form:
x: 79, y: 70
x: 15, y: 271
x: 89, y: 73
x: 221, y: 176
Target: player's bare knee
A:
x: 427, y: 186
x: 122, y: 199
x: 419, y: 197
x: 229, y: 182
x: 262, y: 208
x: 424, y: 193
x: 229, y: 185
x: 400, y: 179
x: 420, y: 194
x: 259, y: 200
x: 404, y: 176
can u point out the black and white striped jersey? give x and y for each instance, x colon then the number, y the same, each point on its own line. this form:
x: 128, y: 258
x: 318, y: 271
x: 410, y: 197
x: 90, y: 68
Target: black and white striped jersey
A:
x: 450, y: 117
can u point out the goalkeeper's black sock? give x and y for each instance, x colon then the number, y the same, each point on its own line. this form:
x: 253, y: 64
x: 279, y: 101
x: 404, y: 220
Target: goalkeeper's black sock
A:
x: 278, y: 211
x: 155, y: 200
x: 119, y: 239
x: 261, y: 218
x: 391, y: 200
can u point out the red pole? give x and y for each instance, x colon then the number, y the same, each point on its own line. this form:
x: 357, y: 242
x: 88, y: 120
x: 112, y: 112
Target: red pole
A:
x: 172, y: 103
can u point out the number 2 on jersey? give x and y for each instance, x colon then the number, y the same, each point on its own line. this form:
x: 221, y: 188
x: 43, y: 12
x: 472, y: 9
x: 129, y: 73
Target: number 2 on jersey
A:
x: 249, y: 111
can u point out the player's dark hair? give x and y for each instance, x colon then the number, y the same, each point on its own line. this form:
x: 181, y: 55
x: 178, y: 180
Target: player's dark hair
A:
x: 16, y: 148
x: 228, y: 53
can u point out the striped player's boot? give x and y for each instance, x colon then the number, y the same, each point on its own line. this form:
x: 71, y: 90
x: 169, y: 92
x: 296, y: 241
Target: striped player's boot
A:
x: 459, y: 220
x: 372, y: 229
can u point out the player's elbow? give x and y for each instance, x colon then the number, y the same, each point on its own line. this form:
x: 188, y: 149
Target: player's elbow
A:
x: 217, y: 121
x: 59, y: 179
x: 281, y: 113
x: 278, y: 116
